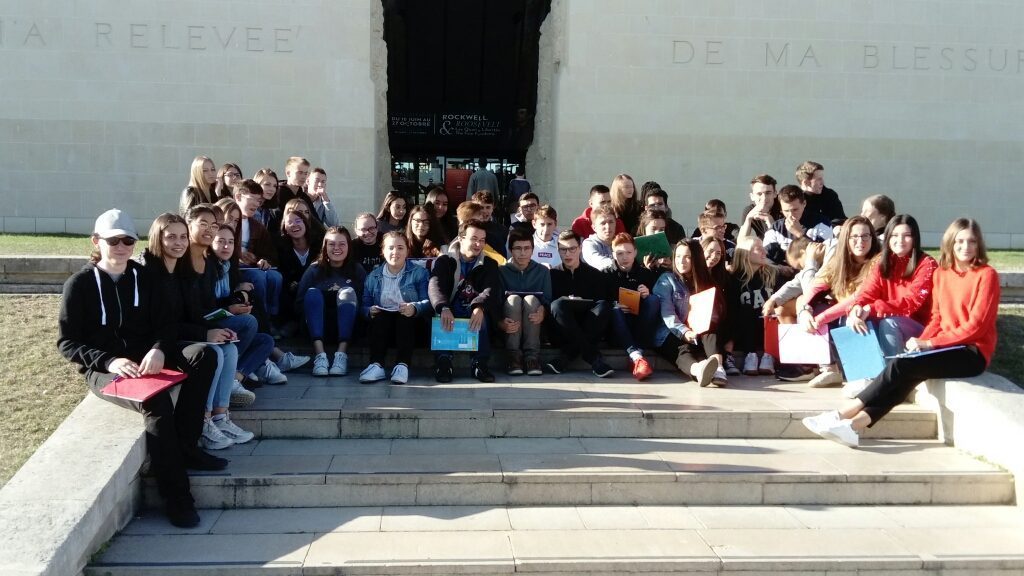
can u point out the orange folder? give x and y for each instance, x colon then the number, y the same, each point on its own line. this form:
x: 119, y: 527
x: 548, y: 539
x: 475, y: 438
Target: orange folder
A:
x: 144, y: 387
x: 702, y: 308
x: 630, y: 299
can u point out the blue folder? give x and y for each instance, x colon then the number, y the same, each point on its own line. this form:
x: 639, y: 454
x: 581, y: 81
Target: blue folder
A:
x: 860, y: 353
x: 460, y: 339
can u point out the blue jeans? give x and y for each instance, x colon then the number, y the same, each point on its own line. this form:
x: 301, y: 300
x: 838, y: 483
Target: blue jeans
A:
x: 635, y: 331
x: 253, y: 347
x: 266, y: 287
x: 314, y: 306
x: 894, y: 332
x: 223, y: 377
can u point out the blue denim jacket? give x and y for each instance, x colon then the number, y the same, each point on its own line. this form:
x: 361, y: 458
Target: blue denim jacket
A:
x: 412, y: 283
x: 675, y: 304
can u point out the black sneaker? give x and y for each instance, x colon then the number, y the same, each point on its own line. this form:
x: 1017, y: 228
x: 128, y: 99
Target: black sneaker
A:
x: 181, y: 512
x: 196, y: 459
x: 482, y: 373
x: 443, y: 370
x: 729, y: 363
x: 601, y: 370
x: 555, y: 365
x: 795, y: 373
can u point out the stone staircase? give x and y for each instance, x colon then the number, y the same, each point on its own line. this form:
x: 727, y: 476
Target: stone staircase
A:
x: 575, y: 474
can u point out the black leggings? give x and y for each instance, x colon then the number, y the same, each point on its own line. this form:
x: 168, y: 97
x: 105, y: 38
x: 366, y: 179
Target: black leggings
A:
x: 382, y: 326
x: 171, y: 427
x: 901, y: 375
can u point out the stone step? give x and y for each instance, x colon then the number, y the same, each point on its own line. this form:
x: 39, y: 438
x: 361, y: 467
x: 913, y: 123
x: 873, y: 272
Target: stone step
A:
x: 595, y: 471
x: 804, y: 540
x: 554, y: 406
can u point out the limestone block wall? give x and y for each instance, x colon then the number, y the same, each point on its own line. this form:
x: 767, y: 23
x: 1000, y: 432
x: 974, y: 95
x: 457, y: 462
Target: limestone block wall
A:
x: 105, y: 103
x: 919, y: 100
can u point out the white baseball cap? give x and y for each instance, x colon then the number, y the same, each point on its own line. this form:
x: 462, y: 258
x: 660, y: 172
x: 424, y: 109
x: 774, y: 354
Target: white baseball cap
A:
x: 113, y: 223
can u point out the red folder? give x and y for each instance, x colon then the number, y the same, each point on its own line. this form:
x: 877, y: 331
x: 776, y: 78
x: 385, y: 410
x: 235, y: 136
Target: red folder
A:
x: 771, y: 336
x: 702, y: 308
x: 144, y: 387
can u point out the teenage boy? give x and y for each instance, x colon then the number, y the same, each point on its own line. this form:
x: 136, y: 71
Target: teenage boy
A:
x: 296, y: 172
x: 633, y: 331
x: 657, y: 199
x: 526, y: 207
x: 712, y: 223
x: 497, y: 234
x: 527, y: 293
x: 600, y: 196
x: 581, y: 309
x: 822, y: 202
x: 545, y: 242
x: 796, y: 222
x: 366, y: 244
x: 763, y: 210
x: 464, y: 284
x: 258, y: 255
x: 467, y: 211
x: 316, y: 188
x: 597, y: 249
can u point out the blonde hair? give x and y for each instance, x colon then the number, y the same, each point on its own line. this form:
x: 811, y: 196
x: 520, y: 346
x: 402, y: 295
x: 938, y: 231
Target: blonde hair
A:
x: 198, y: 181
x: 947, y: 259
x: 620, y: 203
x: 745, y: 269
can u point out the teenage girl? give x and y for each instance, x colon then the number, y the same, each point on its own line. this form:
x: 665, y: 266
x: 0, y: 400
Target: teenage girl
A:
x: 651, y: 222
x: 394, y: 299
x: 625, y: 202
x: 754, y: 279
x: 961, y: 333
x: 696, y: 355
x: 335, y: 275
x: 420, y: 235
x: 168, y: 243
x: 437, y: 202
x: 393, y: 213
x: 841, y: 276
x: 228, y: 175
x: 202, y: 178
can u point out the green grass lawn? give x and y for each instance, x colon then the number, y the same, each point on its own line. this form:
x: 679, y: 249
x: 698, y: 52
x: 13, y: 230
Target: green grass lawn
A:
x: 38, y: 388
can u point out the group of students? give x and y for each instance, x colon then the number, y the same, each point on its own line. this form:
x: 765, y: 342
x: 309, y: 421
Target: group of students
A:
x: 249, y: 260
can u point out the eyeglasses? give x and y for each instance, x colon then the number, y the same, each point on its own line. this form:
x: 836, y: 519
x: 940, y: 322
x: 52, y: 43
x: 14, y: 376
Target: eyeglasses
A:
x: 204, y: 225
x: 367, y: 229
x: 861, y: 237
x: 569, y: 249
x: 120, y: 240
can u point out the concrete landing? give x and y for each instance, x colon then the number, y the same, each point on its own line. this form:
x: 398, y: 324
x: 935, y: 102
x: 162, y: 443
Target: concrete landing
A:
x: 577, y: 540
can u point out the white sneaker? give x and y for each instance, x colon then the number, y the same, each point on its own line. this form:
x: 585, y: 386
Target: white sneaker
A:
x: 852, y: 389
x: 320, y: 364
x: 240, y: 396
x: 269, y: 373
x: 750, y: 364
x: 340, y: 365
x: 232, y: 431
x: 372, y: 373
x: 704, y: 371
x: 826, y: 379
x: 843, y: 433
x: 767, y: 365
x: 213, y: 438
x: 821, y: 422
x: 400, y: 374
x: 291, y: 361
x: 720, y: 378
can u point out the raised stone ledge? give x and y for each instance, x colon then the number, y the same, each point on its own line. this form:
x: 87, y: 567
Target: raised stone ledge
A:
x: 78, y: 489
x: 982, y: 415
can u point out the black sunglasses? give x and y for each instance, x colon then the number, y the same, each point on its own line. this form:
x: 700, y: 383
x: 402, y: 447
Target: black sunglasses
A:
x: 118, y: 241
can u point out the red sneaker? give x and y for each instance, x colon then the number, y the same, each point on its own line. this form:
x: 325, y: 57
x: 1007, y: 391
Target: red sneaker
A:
x: 641, y: 369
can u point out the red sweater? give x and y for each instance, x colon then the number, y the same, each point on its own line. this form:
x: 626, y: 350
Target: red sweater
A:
x: 899, y: 296
x: 584, y: 226
x: 964, y: 309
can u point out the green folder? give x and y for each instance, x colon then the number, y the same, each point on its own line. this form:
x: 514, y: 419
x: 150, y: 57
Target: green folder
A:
x: 656, y: 244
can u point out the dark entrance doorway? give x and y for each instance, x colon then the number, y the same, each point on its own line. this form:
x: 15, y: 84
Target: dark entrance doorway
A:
x: 462, y: 84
